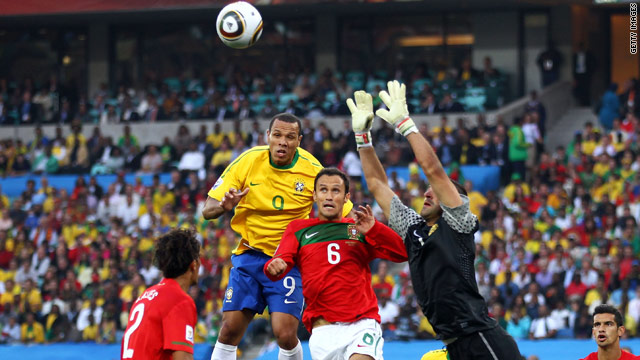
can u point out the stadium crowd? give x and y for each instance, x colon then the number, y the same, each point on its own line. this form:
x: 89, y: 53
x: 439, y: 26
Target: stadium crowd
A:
x: 242, y: 94
x: 559, y: 238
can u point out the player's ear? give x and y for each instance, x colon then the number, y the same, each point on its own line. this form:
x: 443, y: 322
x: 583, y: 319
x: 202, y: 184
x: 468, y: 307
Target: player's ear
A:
x: 347, y: 196
x: 314, y: 196
x: 621, y: 330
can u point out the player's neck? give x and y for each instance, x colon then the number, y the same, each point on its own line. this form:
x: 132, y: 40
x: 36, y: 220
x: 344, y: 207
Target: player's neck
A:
x: 334, y: 219
x: 184, y: 281
x: 431, y: 220
x: 611, y: 352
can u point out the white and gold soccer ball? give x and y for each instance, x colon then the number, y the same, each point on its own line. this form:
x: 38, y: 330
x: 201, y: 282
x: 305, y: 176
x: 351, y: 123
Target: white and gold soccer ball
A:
x: 239, y: 25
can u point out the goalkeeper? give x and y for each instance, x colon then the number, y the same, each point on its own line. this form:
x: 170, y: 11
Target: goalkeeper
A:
x: 439, y: 240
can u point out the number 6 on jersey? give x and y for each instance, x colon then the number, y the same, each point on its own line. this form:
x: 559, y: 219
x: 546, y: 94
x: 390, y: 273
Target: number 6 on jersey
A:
x: 333, y: 256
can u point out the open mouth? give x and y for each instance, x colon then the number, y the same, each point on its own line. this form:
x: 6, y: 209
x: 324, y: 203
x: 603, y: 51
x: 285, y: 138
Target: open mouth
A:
x: 328, y: 206
x: 602, y: 338
x: 281, y: 152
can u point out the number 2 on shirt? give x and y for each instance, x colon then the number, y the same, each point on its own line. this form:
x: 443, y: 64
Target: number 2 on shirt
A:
x: 136, y: 314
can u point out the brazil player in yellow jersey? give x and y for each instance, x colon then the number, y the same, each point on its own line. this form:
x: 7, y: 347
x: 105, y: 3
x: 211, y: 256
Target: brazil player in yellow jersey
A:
x: 269, y: 186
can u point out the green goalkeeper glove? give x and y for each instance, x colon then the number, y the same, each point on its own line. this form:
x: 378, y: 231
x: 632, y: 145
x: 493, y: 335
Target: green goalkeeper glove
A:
x: 398, y: 113
x: 361, y: 117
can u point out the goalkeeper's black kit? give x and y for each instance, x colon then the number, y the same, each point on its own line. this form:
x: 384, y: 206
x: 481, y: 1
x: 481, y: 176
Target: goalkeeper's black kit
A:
x: 441, y: 260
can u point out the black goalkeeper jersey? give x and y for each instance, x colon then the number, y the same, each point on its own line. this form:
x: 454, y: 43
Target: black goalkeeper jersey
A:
x: 441, y: 260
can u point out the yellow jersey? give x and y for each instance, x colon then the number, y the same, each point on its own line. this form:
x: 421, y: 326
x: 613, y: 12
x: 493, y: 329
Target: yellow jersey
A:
x: 277, y: 195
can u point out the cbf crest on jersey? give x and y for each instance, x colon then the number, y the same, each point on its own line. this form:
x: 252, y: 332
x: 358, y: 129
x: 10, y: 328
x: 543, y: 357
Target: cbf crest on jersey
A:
x: 352, y: 232
x: 299, y: 185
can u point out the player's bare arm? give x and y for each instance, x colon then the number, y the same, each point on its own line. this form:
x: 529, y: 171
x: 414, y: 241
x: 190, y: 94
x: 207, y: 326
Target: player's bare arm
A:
x: 361, y: 121
x: 214, y: 208
x: 438, y: 179
x: 398, y: 117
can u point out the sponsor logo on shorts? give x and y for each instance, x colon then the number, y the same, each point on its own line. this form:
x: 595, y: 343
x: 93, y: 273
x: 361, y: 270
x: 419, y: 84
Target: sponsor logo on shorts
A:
x: 287, y: 301
x: 228, y: 294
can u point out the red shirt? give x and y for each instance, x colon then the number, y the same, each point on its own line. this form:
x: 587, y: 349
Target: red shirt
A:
x: 162, y: 320
x: 333, y: 259
x: 625, y: 356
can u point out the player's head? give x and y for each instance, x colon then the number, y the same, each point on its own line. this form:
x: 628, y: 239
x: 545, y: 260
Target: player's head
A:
x: 178, y: 254
x: 431, y: 208
x: 330, y: 192
x: 284, y: 138
x: 607, y: 326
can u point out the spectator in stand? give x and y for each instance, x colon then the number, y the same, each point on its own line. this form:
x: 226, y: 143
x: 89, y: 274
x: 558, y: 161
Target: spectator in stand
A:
x: 11, y: 332
x: 489, y: 73
x: 45, y: 162
x: 152, y: 161
x: 449, y: 105
x: 32, y: 332
x: 609, y: 108
x: 518, y: 325
x: 182, y: 140
x: 192, y: 159
x: 543, y: 327
x: 517, y: 148
x: 428, y: 105
x: 222, y: 157
x: 388, y: 311
x: 382, y: 279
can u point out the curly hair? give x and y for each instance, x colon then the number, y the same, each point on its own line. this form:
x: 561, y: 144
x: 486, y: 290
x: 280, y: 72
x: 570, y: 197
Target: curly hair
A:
x: 175, y: 251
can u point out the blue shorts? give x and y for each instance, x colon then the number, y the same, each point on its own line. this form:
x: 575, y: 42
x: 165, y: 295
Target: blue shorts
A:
x: 250, y: 288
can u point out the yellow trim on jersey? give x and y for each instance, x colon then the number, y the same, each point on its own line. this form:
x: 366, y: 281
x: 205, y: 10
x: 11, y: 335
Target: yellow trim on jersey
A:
x: 277, y: 196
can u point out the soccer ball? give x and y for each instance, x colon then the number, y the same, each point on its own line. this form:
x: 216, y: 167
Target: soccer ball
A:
x: 239, y: 25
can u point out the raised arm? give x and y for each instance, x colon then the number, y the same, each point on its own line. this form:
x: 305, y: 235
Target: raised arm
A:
x: 398, y: 116
x: 214, y: 208
x: 361, y: 121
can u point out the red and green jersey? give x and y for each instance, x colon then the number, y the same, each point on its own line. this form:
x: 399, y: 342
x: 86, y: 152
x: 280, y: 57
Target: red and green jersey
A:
x: 333, y: 258
x: 623, y: 356
x: 161, y: 321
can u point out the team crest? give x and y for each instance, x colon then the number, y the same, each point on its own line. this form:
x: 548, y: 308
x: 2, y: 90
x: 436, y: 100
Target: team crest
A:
x: 299, y: 185
x: 353, y: 232
x: 433, y: 229
x: 228, y: 294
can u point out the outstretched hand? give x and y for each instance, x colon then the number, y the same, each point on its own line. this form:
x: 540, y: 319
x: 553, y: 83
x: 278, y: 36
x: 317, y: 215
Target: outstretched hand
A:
x: 361, y: 117
x: 398, y: 114
x: 364, y: 219
x: 232, y: 198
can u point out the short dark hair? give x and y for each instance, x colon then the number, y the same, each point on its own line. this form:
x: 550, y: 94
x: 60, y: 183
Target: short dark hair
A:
x: 331, y: 171
x: 286, y: 117
x: 608, y: 309
x: 175, y: 251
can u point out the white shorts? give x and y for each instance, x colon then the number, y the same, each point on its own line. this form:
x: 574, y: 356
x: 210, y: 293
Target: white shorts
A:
x: 341, y: 340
